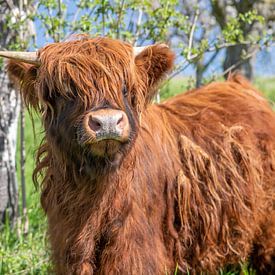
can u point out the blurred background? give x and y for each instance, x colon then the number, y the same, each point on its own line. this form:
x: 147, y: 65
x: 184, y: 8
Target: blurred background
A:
x: 211, y: 38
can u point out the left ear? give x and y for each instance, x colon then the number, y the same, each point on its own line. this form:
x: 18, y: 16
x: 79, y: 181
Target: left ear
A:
x: 154, y: 62
x: 24, y: 76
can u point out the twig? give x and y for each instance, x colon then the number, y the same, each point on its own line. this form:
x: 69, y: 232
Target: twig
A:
x: 103, y: 17
x: 119, y: 18
x: 52, y: 23
x: 12, y: 8
x: 140, y: 14
x: 75, y: 18
x: 59, y: 14
x: 176, y: 72
x: 10, y: 5
x: 237, y: 64
x: 211, y: 60
x: 181, y: 67
x: 75, y: 15
x: 190, y: 42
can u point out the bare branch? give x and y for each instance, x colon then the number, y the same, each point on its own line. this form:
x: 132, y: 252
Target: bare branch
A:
x: 103, y: 16
x: 237, y: 64
x: 140, y: 14
x: 75, y: 15
x: 181, y: 67
x: 119, y: 18
x: 190, y: 43
x: 59, y: 14
x: 10, y: 5
x: 206, y: 65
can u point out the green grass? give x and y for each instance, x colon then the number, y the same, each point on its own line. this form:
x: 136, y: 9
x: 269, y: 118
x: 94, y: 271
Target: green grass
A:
x: 19, y: 253
x: 267, y: 86
x: 29, y: 254
x: 25, y: 254
x: 181, y: 84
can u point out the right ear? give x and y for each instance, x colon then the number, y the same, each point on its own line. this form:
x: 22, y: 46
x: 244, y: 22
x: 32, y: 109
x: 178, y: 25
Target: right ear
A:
x: 154, y: 62
x: 23, y: 76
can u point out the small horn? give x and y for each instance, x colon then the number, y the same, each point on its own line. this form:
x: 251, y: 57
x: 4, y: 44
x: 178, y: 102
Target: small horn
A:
x: 138, y: 50
x: 27, y: 57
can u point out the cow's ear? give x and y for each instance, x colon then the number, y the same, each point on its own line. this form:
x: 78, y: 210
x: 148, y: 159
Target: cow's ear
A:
x: 23, y: 76
x: 155, y: 62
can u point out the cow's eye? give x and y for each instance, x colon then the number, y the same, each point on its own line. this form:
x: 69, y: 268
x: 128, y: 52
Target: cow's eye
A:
x: 124, y: 91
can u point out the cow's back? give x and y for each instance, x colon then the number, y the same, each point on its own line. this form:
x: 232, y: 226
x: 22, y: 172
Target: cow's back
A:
x: 205, y: 113
x: 225, y: 188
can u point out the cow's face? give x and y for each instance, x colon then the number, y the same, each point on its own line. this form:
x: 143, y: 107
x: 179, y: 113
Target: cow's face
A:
x: 91, y: 93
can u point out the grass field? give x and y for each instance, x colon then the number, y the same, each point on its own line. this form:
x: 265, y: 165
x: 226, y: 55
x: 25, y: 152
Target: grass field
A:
x: 30, y: 254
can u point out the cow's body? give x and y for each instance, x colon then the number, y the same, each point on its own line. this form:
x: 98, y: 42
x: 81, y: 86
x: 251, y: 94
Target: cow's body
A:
x: 193, y: 190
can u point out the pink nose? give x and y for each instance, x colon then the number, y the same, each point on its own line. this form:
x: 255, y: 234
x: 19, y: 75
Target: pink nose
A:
x: 109, y: 124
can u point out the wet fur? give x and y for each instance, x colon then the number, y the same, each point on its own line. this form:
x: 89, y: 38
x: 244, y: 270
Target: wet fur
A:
x: 193, y: 188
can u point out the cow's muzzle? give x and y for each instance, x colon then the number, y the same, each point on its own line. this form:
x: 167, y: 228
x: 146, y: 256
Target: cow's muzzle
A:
x: 108, y: 124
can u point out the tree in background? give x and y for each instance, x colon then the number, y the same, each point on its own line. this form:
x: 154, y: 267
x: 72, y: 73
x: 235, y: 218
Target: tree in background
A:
x: 236, y: 17
x: 233, y: 29
x: 15, y: 31
x: 197, y: 36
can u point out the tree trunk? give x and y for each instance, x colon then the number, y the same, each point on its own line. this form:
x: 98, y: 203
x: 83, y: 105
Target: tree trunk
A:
x: 9, y: 113
x: 234, y: 57
x: 199, y: 72
x: 15, y: 31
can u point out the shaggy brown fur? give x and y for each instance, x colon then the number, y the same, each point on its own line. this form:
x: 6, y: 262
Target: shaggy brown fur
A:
x: 194, y: 187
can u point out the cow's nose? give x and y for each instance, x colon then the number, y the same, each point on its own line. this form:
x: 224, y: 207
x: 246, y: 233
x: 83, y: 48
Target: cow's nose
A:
x: 109, y: 124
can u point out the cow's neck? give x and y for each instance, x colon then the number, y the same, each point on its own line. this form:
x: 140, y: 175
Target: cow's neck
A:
x: 131, y: 200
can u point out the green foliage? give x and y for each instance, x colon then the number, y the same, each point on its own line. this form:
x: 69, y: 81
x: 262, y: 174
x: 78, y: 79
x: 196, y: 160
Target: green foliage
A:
x: 161, y: 19
x: 143, y: 22
x: 235, y: 30
x: 111, y: 18
x: 53, y: 19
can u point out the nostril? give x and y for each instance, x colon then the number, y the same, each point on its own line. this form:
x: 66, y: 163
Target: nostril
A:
x: 94, y: 124
x: 120, y: 121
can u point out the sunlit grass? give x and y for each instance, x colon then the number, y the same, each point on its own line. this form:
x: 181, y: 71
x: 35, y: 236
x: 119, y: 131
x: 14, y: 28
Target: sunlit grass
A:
x: 182, y: 84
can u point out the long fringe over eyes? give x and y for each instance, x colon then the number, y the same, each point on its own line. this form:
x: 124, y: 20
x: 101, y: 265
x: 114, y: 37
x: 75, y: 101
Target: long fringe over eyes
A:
x: 91, y: 71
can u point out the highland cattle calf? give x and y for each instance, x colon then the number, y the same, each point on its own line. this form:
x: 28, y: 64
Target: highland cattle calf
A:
x: 131, y: 187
